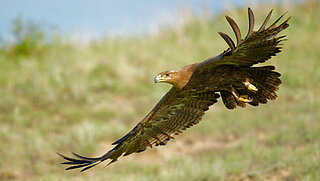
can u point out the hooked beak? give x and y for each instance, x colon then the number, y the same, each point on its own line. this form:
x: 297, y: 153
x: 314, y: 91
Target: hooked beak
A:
x: 157, y: 79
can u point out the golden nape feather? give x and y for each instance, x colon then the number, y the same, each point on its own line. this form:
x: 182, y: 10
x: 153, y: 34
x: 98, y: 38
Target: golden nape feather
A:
x: 197, y: 86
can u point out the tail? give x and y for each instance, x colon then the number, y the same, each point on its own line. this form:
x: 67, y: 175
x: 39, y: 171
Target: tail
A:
x: 265, y: 79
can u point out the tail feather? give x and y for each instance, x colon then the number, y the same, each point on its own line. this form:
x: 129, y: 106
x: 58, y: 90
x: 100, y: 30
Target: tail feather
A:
x: 265, y: 79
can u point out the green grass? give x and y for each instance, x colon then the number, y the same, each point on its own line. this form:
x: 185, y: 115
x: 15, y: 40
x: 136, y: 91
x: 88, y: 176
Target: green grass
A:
x: 83, y: 97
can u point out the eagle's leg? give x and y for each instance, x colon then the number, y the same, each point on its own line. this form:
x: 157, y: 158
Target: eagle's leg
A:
x: 241, y: 98
x: 250, y: 86
x: 244, y: 98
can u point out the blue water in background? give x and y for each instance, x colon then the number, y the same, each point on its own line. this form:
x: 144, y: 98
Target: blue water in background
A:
x: 90, y: 19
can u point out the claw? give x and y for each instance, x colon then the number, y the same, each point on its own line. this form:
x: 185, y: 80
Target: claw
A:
x: 244, y: 98
x: 250, y: 86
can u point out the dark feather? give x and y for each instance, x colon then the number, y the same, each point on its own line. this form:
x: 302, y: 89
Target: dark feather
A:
x: 262, y: 28
x: 251, y: 22
x: 274, y: 24
x: 228, y: 40
x: 235, y: 28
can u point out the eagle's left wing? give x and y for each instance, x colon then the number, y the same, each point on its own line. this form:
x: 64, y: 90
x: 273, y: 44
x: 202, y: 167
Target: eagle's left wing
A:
x: 175, y: 112
x: 257, y: 47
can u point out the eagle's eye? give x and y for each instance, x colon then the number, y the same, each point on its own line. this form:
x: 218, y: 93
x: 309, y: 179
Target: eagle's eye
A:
x: 167, y: 75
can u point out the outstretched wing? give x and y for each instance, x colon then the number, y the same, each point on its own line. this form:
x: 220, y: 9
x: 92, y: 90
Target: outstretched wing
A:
x: 176, y: 111
x: 256, y: 47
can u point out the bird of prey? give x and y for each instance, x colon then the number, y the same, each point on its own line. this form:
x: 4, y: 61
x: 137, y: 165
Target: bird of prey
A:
x: 196, y: 87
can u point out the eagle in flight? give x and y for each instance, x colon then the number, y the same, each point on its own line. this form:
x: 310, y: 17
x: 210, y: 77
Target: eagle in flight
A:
x: 196, y: 87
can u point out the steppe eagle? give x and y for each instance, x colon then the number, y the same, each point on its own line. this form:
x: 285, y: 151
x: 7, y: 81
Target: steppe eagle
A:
x: 197, y: 86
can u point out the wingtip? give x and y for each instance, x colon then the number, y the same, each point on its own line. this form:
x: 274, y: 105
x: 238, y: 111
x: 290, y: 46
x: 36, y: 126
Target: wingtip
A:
x: 114, y: 143
x: 288, y: 19
x: 251, y: 22
x: 228, y: 40
x: 227, y: 17
x: 79, y: 161
x: 88, y: 167
x: 61, y: 155
x: 262, y: 27
x: 275, y: 22
x: 235, y: 29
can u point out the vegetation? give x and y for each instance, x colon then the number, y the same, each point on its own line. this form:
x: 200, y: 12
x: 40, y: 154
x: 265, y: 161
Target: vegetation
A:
x: 80, y: 98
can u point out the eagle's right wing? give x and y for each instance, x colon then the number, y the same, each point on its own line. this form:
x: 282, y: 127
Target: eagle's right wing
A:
x: 257, y: 47
x: 176, y: 111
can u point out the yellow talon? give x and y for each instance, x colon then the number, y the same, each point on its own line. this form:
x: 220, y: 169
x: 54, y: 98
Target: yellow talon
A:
x: 250, y: 86
x: 244, y: 98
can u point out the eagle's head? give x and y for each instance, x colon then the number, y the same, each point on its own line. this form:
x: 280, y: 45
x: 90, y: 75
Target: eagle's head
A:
x: 169, y: 76
x: 178, y: 78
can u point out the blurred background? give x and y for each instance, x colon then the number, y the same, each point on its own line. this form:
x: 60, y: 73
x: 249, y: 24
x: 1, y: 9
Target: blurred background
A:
x: 78, y: 75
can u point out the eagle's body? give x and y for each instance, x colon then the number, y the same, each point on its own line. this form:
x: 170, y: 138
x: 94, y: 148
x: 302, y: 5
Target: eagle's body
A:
x: 196, y: 87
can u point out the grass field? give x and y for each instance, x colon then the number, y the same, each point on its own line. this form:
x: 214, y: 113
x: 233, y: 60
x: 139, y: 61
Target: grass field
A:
x: 82, y: 97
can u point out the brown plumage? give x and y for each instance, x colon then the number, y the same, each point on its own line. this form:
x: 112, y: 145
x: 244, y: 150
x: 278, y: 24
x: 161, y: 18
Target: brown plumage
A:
x: 196, y: 87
